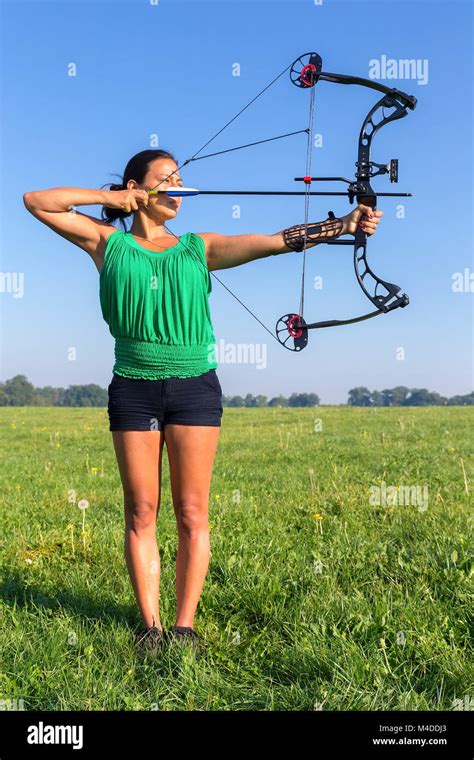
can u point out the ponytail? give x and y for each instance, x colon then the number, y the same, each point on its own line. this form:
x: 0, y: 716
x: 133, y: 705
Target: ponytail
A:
x: 110, y: 215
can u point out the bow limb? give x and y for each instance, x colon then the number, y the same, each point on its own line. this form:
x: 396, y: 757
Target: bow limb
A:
x: 409, y: 101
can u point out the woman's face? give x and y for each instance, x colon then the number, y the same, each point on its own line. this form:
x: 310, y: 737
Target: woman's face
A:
x: 163, y: 172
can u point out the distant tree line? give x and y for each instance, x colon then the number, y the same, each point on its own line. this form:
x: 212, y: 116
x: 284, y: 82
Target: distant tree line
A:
x: 399, y: 396
x: 20, y: 392
x: 296, y: 399
x: 402, y: 396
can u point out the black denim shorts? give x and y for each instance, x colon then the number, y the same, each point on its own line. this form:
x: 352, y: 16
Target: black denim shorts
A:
x: 136, y: 404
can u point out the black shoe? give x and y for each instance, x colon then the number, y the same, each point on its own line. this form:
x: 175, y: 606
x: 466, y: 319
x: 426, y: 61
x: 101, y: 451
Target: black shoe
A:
x: 184, y: 635
x: 149, y: 640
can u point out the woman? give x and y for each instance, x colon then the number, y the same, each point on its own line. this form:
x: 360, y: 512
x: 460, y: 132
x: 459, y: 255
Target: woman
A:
x: 154, y: 291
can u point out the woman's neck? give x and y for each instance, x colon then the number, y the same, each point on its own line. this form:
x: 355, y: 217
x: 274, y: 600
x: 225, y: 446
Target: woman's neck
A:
x: 149, y: 232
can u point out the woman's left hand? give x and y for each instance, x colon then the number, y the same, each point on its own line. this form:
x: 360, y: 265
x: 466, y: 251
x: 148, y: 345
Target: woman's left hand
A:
x: 364, y: 217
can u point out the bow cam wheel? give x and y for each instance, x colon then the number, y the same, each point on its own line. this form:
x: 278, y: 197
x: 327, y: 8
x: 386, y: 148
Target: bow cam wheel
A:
x: 291, y: 332
x: 305, y: 70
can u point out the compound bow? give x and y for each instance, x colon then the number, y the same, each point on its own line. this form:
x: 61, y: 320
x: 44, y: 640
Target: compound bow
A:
x: 306, y: 72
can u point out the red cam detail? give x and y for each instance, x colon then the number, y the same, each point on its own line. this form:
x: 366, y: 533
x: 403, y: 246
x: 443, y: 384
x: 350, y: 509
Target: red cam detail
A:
x: 307, y: 74
x: 294, y: 326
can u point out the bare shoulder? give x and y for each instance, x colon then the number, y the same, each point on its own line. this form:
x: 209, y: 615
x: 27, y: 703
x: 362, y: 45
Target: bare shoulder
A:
x: 209, y: 238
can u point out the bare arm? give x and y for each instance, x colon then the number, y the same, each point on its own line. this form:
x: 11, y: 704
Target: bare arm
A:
x: 57, y: 209
x: 226, y: 251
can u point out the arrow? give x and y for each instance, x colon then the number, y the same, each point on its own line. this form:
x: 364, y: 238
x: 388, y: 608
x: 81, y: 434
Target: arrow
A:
x: 188, y: 191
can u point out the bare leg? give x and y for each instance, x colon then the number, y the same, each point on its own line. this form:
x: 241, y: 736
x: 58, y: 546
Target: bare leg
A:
x: 139, y: 455
x: 191, y: 451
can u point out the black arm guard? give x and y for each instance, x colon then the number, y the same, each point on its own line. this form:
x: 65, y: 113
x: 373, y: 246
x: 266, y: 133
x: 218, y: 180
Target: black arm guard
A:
x: 298, y: 237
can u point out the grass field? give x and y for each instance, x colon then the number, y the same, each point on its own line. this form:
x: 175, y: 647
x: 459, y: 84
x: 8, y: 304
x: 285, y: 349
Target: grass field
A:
x: 316, y: 597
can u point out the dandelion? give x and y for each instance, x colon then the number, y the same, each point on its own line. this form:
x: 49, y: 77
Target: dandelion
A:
x: 319, y: 521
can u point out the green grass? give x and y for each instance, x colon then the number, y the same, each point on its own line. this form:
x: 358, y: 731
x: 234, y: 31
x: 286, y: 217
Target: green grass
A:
x: 315, y: 598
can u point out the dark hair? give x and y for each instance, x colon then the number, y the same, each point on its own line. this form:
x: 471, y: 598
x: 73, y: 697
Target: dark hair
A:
x: 136, y: 169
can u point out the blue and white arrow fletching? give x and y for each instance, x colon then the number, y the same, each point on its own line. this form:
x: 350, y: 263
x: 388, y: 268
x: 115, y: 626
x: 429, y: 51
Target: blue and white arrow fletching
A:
x: 175, y: 192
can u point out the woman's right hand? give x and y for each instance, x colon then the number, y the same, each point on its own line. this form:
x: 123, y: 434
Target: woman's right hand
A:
x: 127, y: 200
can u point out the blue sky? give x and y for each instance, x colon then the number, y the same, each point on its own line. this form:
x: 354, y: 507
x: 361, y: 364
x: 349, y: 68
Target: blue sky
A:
x: 165, y: 69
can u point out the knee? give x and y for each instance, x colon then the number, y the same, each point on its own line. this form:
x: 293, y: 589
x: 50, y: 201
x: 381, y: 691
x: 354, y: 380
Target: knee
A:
x: 192, y: 518
x: 140, y: 514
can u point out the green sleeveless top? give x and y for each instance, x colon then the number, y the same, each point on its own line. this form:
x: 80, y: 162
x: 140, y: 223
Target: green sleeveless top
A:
x: 157, y: 308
